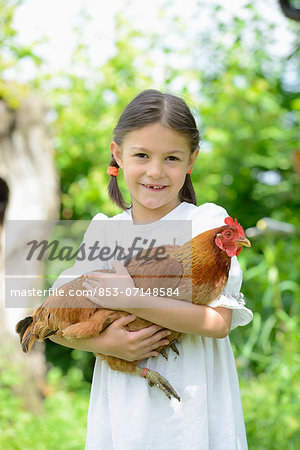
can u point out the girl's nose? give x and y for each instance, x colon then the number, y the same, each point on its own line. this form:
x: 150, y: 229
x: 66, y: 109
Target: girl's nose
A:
x: 155, y: 170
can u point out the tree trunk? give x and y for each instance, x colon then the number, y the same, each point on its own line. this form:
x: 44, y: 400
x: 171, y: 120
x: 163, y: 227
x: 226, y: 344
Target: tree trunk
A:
x: 28, y: 191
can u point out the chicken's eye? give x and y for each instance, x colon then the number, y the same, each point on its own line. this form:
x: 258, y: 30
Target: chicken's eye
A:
x: 228, y: 234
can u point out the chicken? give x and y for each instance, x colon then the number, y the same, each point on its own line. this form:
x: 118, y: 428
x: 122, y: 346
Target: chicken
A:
x: 199, y: 269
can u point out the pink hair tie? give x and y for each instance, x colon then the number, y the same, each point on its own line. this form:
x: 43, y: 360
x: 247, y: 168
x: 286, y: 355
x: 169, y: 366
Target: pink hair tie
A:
x: 113, y: 171
x: 190, y: 171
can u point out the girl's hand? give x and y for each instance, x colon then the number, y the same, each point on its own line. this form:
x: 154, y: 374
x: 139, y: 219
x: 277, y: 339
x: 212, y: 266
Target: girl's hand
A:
x: 116, y: 341
x: 108, y: 289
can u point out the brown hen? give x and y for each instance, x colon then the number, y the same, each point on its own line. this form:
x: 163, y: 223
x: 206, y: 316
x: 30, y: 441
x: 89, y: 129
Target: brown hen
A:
x: 198, y: 270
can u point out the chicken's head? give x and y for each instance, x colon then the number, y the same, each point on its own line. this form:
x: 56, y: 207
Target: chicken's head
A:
x: 231, y: 237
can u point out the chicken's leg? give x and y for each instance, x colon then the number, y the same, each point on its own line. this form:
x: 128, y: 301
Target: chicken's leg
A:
x: 158, y: 380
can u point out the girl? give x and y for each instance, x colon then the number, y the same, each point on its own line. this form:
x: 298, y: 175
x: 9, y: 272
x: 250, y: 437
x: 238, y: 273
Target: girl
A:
x: 156, y: 144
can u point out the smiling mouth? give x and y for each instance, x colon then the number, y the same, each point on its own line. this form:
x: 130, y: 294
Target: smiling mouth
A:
x: 154, y: 187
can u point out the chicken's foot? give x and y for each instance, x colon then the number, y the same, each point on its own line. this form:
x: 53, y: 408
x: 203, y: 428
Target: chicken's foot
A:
x: 174, y: 348
x: 155, y: 379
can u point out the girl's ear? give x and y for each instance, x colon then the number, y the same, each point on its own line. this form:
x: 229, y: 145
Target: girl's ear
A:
x: 193, y: 158
x: 117, y: 152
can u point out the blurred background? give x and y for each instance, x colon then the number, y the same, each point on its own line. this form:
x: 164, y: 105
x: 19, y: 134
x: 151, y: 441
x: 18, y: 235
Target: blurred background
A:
x: 67, y: 69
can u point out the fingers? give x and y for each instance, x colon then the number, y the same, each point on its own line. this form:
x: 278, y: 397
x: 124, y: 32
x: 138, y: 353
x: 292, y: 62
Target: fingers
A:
x: 88, y: 294
x: 147, y: 332
x: 117, y: 266
x: 93, y: 275
x: 99, y: 275
x: 148, y: 355
x: 91, y: 283
x: 149, y: 335
x: 148, y: 339
x: 157, y: 339
x: 123, y: 321
x: 151, y: 349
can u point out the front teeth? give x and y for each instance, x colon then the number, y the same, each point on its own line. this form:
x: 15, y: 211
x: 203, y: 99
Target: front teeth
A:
x: 153, y: 187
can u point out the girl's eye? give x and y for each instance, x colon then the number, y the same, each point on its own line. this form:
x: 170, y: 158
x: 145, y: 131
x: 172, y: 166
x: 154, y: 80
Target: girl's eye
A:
x: 141, y: 155
x: 172, y: 158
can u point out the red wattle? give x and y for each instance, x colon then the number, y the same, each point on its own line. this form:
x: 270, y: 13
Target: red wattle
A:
x: 232, y: 251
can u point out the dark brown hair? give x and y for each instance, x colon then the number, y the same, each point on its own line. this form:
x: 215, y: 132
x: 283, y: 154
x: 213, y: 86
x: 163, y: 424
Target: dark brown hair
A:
x: 148, y: 107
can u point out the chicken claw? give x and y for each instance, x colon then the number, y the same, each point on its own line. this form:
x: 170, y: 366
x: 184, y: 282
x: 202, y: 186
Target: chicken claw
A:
x: 174, y: 348
x: 164, y: 353
x: 155, y: 379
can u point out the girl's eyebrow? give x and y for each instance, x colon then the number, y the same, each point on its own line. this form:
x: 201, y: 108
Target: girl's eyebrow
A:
x: 137, y: 147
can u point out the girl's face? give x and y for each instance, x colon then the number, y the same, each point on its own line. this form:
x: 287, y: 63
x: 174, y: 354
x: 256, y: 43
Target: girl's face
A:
x: 155, y: 160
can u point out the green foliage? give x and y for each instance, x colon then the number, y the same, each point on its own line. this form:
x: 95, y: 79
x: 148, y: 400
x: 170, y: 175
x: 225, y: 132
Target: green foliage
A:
x: 62, y: 424
x: 253, y: 134
x: 271, y: 402
x: 11, y: 53
x: 271, y: 286
x: 248, y: 112
x: 66, y: 358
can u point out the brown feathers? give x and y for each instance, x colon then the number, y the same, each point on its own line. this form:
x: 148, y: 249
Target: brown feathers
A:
x: 199, y: 269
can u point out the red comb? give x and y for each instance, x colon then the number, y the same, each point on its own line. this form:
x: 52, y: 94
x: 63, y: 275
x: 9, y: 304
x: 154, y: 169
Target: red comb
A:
x: 229, y: 221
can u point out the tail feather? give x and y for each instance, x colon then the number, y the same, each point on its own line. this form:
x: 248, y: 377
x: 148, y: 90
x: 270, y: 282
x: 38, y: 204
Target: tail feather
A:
x: 28, y: 340
x: 23, y: 328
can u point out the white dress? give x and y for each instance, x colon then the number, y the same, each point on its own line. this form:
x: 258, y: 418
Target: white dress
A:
x: 125, y: 413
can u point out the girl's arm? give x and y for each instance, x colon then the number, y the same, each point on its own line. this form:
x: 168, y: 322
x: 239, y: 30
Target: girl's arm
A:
x: 177, y: 315
x: 192, y: 319
x: 116, y: 341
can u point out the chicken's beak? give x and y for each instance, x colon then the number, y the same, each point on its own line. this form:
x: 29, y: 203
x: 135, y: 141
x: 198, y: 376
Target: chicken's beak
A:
x: 243, y: 241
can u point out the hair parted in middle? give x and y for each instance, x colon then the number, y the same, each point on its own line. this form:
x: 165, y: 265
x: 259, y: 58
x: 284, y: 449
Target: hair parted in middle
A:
x: 148, y: 107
